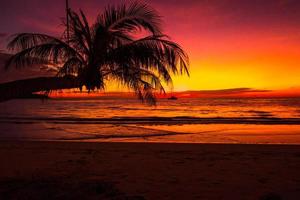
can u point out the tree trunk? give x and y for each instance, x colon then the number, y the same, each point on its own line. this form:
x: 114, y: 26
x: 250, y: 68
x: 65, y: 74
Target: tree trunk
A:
x: 25, y: 88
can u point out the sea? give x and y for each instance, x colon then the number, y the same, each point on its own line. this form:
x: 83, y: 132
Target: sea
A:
x: 186, y: 120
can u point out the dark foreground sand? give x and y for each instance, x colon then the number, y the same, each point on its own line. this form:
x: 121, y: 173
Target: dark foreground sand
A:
x: 71, y: 170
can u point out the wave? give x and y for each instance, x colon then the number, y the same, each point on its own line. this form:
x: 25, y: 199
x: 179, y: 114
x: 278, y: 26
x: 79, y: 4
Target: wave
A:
x: 123, y: 136
x: 181, y: 120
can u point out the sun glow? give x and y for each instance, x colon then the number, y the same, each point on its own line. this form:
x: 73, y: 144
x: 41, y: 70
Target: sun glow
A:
x: 227, y: 48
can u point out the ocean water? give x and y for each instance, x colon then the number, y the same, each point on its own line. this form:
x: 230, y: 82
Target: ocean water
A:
x: 215, y: 120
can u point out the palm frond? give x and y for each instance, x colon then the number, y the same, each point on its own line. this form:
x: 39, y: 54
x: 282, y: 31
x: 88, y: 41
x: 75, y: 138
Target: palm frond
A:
x: 80, y: 32
x: 129, y: 18
x: 70, y: 67
x: 145, y: 83
x: 24, y: 41
x: 109, y: 49
x: 39, y: 49
x: 152, y: 53
x: 51, y: 53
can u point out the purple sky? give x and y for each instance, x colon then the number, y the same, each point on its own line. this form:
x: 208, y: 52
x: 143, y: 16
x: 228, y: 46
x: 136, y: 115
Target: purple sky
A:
x: 188, y: 16
x: 224, y: 35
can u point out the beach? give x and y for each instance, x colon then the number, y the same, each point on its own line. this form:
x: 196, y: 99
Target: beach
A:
x: 148, y: 170
x: 207, y: 149
x: 150, y: 100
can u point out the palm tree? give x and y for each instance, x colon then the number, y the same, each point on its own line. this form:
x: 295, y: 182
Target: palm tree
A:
x: 126, y: 44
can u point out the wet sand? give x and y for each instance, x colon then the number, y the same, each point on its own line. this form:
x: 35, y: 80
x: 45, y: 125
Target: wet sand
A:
x: 148, y: 171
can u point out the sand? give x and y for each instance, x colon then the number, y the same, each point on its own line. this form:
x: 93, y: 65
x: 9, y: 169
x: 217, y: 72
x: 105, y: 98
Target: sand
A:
x: 72, y: 170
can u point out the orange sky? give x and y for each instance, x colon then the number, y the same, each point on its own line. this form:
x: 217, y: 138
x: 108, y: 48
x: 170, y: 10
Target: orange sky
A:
x: 231, y: 43
x: 243, y: 60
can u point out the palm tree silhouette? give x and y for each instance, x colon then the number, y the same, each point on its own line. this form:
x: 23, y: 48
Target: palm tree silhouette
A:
x: 93, y: 55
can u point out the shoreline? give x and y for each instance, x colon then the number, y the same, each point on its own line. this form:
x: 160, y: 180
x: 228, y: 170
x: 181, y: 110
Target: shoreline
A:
x: 177, y: 120
x: 201, y: 134
x: 156, y: 170
x: 88, y: 141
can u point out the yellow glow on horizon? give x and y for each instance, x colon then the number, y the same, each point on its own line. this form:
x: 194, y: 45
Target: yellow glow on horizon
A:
x: 259, y: 71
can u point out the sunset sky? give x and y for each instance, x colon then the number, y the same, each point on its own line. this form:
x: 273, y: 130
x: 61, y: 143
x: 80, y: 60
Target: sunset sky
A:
x: 231, y: 43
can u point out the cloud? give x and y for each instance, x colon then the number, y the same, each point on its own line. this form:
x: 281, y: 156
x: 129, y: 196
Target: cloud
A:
x: 234, y: 92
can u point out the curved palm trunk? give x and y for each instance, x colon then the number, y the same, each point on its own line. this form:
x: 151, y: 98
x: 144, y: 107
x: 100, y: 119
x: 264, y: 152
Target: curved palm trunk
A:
x: 25, y: 88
